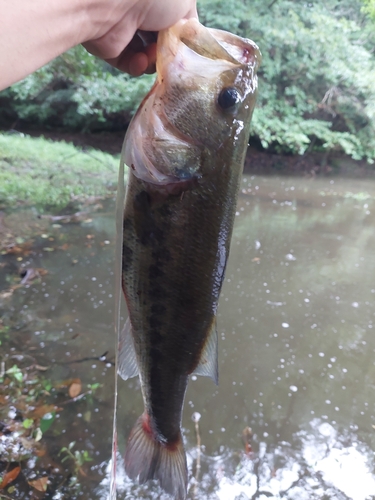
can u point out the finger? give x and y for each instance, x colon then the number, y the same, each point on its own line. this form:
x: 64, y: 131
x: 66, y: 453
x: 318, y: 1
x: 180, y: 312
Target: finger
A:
x: 138, y: 64
x: 151, y: 55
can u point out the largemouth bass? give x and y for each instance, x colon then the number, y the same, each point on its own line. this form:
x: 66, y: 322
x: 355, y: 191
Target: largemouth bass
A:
x: 185, y: 148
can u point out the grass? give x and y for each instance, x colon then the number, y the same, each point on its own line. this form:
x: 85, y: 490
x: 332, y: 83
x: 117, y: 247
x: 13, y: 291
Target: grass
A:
x: 47, y: 174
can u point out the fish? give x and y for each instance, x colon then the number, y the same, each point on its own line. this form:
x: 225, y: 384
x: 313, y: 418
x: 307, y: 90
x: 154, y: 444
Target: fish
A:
x: 185, y: 150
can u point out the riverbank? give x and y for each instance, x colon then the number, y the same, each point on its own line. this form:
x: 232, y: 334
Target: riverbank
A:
x: 60, y: 175
x: 50, y: 175
x: 257, y: 162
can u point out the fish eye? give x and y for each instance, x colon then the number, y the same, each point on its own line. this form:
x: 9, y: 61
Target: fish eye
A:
x: 229, y: 98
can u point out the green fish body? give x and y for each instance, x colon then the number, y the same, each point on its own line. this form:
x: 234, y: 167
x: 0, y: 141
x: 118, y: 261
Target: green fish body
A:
x: 185, y: 148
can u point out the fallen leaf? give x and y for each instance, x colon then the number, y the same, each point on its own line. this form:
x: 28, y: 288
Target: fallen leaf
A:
x: 41, y: 368
x: 40, y: 411
x: 66, y: 383
x: 6, y: 295
x: 27, y: 423
x: 40, y: 452
x: 87, y: 416
x: 39, y: 484
x: 47, y: 421
x: 38, y: 434
x: 75, y: 389
x: 10, y: 476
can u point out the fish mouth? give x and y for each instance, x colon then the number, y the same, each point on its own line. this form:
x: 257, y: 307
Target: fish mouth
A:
x: 202, y: 51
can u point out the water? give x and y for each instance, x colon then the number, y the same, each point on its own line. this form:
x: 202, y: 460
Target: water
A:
x: 296, y: 356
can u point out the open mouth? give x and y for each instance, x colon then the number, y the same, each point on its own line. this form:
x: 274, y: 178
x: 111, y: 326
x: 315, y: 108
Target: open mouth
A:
x: 211, y: 45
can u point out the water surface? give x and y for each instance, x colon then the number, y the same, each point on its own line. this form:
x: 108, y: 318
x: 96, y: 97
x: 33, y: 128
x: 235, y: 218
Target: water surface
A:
x: 296, y: 355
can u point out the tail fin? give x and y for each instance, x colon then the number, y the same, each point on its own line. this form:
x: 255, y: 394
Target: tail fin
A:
x: 147, y: 458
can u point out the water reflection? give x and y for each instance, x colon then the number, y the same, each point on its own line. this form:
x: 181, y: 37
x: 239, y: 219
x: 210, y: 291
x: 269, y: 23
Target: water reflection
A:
x: 296, y: 358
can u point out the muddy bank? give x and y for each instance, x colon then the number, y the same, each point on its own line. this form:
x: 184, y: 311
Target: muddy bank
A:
x: 20, y: 228
x: 309, y: 165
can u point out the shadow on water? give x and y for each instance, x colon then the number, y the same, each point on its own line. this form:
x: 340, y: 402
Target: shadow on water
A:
x: 293, y: 416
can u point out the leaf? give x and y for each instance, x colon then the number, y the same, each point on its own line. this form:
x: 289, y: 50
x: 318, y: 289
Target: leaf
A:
x: 40, y: 452
x: 27, y: 423
x: 75, y: 389
x: 39, y: 484
x: 41, y: 368
x: 87, y: 416
x: 15, y: 372
x: 18, y: 376
x: 40, y: 411
x: 46, y: 421
x: 38, y: 435
x: 10, y: 476
x: 66, y: 383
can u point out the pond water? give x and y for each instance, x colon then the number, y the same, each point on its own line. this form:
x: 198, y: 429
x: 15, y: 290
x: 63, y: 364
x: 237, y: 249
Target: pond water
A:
x: 293, y: 416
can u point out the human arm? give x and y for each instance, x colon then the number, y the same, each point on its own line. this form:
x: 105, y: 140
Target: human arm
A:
x: 33, y: 32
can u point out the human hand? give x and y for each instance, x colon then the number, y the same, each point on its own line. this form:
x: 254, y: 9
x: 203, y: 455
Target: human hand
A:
x: 125, y: 35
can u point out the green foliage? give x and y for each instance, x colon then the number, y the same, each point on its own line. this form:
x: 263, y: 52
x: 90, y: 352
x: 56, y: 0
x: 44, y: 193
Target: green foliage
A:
x: 15, y: 373
x: 316, y: 79
x: 75, y: 91
x: 315, y: 83
x: 369, y: 8
x: 43, y: 173
x: 78, y: 460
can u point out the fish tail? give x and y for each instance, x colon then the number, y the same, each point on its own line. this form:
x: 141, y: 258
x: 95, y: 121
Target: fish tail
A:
x: 147, y: 458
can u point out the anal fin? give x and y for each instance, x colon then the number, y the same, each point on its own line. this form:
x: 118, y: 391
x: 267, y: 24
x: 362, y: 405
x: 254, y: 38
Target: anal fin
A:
x: 208, y: 363
x: 127, y: 359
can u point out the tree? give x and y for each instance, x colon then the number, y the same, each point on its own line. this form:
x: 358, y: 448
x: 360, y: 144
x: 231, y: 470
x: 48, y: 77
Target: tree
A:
x: 316, y: 87
x: 75, y: 91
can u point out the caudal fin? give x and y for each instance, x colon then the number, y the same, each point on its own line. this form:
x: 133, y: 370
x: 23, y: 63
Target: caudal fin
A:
x: 147, y: 458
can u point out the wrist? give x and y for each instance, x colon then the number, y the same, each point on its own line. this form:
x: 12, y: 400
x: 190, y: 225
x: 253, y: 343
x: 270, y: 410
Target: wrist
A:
x: 35, y: 32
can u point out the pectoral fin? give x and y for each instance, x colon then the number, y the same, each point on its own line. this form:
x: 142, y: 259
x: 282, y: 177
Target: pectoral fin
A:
x: 127, y: 360
x: 208, y: 363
